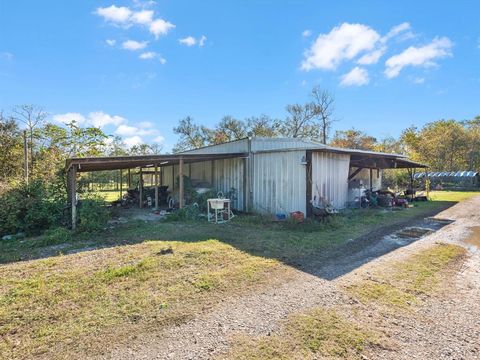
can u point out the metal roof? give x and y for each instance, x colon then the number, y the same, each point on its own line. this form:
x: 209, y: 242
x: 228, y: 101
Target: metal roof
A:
x: 448, y: 174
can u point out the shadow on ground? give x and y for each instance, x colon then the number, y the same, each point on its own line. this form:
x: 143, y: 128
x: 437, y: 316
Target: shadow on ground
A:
x: 327, y: 249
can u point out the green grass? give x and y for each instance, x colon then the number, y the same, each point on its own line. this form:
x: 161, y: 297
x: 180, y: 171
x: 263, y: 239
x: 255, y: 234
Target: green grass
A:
x: 70, y: 304
x: 455, y: 196
x: 109, y: 195
x: 409, y: 280
x: 318, y: 332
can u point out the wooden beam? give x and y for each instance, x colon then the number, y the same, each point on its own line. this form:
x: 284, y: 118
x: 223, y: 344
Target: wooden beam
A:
x: 129, y: 179
x: 371, y: 179
x: 121, y: 184
x: 140, y: 189
x: 355, y: 173
x: 156, y: 188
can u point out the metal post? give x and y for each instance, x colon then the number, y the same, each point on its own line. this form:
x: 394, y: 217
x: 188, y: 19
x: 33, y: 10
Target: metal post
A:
x: 156, y: 188
x: 140, y: 189
x: 180, y: 174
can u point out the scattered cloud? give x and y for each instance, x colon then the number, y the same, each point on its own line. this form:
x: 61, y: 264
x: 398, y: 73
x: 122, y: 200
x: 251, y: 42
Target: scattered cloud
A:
x: 148, y: 55
x: 395, y: 31
x: 125, y: 17
x: 342, y: 43
x: 356, y: 77
x: 111, y: 42
x: 372, y: 57
x: 306, y: 33
x: 188, y: 41
x: 151, y: 55
x: 159, y: 139
x: 96, y: 118
x: 132, y: 141
x: 191, y: 41
x: 423, y: 56
x: 128, y: 130
x: 69, y: 117
x: 418, y: 80
x: 134, y: 45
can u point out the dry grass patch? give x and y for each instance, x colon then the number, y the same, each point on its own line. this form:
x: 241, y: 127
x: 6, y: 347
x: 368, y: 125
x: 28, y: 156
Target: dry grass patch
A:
x: 67, y: 305
x: 409, y: 280
x: 319, y: 332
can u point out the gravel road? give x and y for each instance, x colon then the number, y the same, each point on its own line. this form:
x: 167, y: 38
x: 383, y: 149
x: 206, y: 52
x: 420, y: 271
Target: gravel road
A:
x: 446, y: 327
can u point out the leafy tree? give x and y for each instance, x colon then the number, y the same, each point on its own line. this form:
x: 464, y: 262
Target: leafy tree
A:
x: 353, y: 139
x: 229, y: 129
x: 263, y: 126
x: 11, y: 150
x: 191, y: 135
x: 298, y: 123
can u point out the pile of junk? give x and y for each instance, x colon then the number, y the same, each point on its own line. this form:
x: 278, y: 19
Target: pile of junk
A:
x: 363, y: 197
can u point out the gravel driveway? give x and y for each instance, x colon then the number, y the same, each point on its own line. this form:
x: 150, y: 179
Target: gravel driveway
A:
x: 446, y: 327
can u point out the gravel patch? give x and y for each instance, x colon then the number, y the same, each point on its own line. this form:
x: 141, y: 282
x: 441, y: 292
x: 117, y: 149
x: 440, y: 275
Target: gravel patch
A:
x: 446, y: 327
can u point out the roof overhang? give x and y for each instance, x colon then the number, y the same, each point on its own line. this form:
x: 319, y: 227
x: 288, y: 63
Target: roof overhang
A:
x: 144, y: 161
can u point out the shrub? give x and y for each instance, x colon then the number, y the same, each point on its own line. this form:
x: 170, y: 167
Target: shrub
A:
x: 93, y: 214
x: 57, y: 235
x: 30, y: 208
x: 187, y: 213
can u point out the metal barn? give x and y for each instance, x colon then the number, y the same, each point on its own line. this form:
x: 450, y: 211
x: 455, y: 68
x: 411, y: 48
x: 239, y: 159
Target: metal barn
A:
x: 270, y: 175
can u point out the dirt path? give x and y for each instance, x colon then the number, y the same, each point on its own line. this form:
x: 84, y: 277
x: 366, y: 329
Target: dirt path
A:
x: 447, y: 327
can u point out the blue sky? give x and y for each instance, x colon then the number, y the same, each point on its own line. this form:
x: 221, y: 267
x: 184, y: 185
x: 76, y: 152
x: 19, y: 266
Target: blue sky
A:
x: 136, y: 67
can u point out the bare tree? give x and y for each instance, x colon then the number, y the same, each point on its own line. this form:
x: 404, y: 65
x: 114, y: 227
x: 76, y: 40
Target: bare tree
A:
x: 323, y: 108
x: 32, y: 116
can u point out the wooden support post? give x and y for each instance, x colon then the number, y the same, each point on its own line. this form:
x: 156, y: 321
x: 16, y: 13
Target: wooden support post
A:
x: 129, y: 180
x: 73, y: 195
x: 156, y: 188
x: 371, y: 180
x: 140, y: 189
x: 180, y: 181
x: 121, y: 184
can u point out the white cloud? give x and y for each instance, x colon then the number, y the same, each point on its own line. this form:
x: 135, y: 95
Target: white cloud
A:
x: 395, y: 31
x: 306, y: 33
x: 111, y: 42
x: 159, y: 139
x: 133, y: 140
x: 118, y: 15
x: 202, y: 41
x: 160, y: 27
x: 150, y: 55
x: 188, y: 41
x: 372, y: 57
x: 125, y: 17
x: 143, y: 17
x: 101, y: 119
x: 147, y: 55
x: 419, y: 56
x: 69, y: 117
x: 7, y: 56
x: 127, y: 130
x: 134, y: 45
x: 342, y: 43
x: 356, y: 77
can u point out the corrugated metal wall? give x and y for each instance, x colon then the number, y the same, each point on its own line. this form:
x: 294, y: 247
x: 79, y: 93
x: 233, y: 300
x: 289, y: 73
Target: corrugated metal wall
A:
x: 330, y: 177
x: 279, y: 182
x: 227, y: 174
x: 266, y: 144
x: 239, y: 146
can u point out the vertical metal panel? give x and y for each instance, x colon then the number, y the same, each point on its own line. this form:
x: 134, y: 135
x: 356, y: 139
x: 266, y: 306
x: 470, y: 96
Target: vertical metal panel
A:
x: 201, y: 171
x: 167, y: 177
x: 279, y: 182
x: 268, y: 144
x: 228, y: 173
x: 330, y: 177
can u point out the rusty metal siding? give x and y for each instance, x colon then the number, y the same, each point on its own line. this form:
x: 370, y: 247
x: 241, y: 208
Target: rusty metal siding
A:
x: 330, y: 177
x: 279, y: 182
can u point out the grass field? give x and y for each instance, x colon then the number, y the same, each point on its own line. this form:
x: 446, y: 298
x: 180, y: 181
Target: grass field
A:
x: 72, y: 304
